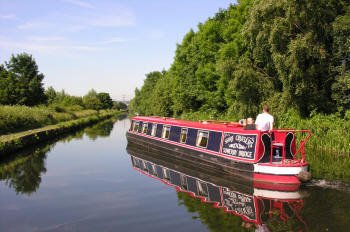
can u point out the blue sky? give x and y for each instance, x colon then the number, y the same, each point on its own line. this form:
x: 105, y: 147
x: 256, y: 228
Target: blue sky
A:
x: 106, y: 45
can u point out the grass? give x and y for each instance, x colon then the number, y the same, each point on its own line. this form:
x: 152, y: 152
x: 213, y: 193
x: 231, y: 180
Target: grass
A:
x: 16, y: 141
x: 21, y: 118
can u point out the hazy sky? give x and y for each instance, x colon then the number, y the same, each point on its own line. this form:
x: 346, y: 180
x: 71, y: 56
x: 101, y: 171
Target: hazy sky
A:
x: 106, y: 45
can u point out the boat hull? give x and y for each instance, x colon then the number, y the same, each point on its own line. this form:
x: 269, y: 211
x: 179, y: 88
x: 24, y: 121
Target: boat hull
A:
x: 218, y: 164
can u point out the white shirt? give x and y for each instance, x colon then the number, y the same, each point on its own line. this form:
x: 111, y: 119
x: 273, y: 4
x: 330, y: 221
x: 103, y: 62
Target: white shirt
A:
x: 264, y: 121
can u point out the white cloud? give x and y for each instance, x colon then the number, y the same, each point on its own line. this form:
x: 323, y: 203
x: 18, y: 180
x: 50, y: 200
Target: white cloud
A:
x: 7, y: 16
x: 33, y: 25
x: 112, y: 16
x: 155, y: 34
x: 46, y: 38
x: 111, y: 20
x: 113, y: 40
x: 44, y: 46
x: 80, y: 3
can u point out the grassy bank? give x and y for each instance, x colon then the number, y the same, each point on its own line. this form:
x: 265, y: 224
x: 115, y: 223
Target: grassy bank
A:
x: 21, y: 118
x: 12, y: 142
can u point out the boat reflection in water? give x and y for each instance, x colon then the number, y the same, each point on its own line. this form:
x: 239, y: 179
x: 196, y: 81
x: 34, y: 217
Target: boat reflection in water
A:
x: 260, y: 208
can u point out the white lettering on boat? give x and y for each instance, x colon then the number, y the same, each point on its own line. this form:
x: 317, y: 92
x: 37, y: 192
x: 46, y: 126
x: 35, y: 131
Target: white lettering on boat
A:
x: 239, y: 145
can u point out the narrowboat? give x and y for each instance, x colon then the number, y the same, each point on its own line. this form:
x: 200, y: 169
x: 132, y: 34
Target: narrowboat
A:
x: 275, y: 157
x: 251, y: 203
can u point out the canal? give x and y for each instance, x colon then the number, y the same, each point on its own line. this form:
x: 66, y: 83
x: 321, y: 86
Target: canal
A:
x: 91, y: 181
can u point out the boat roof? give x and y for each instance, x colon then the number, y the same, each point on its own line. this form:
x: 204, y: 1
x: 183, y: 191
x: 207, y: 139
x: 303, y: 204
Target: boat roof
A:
x: 203, y: 124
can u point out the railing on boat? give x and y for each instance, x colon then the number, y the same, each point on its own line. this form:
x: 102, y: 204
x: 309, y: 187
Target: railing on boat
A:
x: 281, y: 144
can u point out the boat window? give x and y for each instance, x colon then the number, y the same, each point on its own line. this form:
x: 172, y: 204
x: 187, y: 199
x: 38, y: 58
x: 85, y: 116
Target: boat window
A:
x: 136, y: 126
x: 166, y: 132
x: 202, y: 189
x: 166, y: 174
x: 154, y: 129
x: 144, y: 128
x: 183, y: 135
x: 202, y: 139
x: 183, y: 182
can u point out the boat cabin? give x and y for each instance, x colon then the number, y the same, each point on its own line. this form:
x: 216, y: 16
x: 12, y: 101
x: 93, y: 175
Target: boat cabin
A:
x: 225, y: 139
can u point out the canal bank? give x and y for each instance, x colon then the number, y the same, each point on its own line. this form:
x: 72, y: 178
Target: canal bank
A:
x: 14, y: 142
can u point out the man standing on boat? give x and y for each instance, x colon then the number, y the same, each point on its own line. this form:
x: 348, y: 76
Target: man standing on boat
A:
x: 264, y: 121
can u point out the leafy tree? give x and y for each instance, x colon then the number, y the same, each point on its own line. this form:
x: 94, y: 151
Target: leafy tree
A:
x: 91, y: 100
x: 119, y: 105
x: 106, y: 100
x: 25, y: 80
x: 341, y: 53
x: 143, y: 102
x: 290, y: 42
x: 50, y: 95
x: 8, y: 93
x: 163, y: 101
x: 289, y: 54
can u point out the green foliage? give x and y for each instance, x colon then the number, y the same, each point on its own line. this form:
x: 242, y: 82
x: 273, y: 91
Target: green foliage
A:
x: 341, y: 54
x: 106, y: 100
x: 21, y: 82
x: 61, y: 99
x: 21, y: 118
x: 119, y: 105
x: 144, y: 102
x: 91, y: 100
x: 15, y: 141
x: 285, y: 53
x: 328, y: 150
x: 216, y: 219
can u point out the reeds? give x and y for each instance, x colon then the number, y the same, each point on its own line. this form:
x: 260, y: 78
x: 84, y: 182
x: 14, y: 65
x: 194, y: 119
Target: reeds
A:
x: 21, y: 118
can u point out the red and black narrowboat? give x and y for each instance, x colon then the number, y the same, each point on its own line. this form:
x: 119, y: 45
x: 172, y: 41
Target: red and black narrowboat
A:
x: 251, y: 203
x: 273, y: 157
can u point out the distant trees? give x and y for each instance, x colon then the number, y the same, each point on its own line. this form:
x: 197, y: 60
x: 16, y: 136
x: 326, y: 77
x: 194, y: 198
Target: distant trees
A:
x: 21, y: 82
x: 119, y: 105
x: 290, y: 54
x: 91, y: 101
x: 97, y: 101
x: 106, y: 100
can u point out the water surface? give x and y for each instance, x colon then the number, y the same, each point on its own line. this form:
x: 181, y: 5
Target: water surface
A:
x: 88, y: 182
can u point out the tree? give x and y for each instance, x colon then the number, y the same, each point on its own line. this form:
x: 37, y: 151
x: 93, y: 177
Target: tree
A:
x: 290, y: 42
x: 143, y: 102
x: 91, y: 101
x: 341, y: 54
x: 50, y: 95
x: 119, y: 105
x: 25, y: 80
x: 8, y: 87
x: 106, y: 100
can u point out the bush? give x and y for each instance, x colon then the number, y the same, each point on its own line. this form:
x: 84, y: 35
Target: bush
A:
x: 21, y: 118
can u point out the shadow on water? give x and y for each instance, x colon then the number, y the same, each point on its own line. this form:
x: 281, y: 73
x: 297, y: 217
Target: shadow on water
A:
x: 22, y: 171
x: 225, y: 204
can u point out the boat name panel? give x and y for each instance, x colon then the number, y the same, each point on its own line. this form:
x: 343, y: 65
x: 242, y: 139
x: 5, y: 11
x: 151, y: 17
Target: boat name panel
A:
x: 239, y: 145
x: 239, y: 203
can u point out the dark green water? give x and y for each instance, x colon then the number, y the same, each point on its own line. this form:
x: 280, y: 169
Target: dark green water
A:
x: 89, y: 182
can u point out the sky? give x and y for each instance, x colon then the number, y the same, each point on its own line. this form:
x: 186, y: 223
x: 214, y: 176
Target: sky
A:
x: 106, y: 45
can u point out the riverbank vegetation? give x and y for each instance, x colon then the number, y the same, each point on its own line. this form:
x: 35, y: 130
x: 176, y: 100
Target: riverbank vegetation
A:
x: 26, y: 105
x: 292, y: 55
x: 16, y: 141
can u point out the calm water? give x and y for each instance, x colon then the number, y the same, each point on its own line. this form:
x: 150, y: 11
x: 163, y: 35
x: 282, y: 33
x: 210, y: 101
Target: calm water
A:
x: 89, y: 182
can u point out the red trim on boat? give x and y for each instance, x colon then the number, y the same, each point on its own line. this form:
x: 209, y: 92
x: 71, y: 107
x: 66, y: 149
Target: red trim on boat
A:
x: 278, y: 179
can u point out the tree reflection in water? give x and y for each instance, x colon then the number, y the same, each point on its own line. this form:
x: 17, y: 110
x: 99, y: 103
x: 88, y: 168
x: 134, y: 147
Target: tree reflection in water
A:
x: 218, y: 201
x: 23, y: 170
x: 102, y: 129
